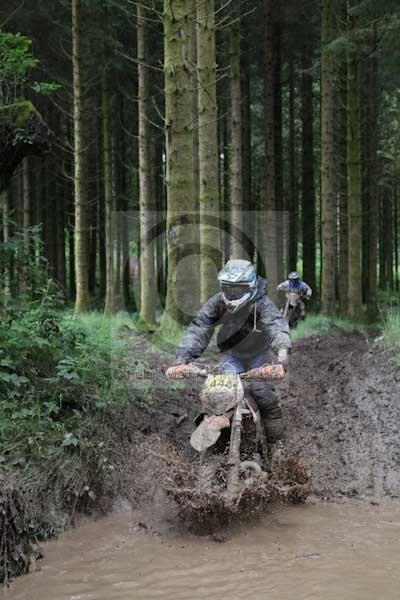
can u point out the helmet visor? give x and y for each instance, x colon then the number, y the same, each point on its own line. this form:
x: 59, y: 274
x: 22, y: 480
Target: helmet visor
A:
x: 234, y: 292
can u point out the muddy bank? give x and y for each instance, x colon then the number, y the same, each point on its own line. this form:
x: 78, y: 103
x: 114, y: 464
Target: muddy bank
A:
x: 344, y: 416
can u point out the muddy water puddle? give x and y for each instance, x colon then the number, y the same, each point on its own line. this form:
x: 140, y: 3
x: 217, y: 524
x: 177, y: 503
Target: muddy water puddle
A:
x: 316, y: 551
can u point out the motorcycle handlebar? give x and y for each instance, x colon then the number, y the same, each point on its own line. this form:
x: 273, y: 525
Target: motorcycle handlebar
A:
x: 266, y: 372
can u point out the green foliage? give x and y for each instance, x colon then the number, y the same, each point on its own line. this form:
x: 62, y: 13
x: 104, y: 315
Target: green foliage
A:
x: 56, y: 375
x: 391, y: 331
x: 16, y: 64
x: 45, y: 89
x: 16, y: 59
x: 28, y: 280
x: 322, y: 325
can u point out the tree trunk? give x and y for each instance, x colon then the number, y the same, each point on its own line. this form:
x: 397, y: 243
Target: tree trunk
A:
x: 208, y: 150
x: 51, y: 223
x: 293, y: 188
x: 195, y: 101
x: 396, y: 237
x: 63, y: 202
x: 269, y: 224
x: 80, y: 161
x: 108, y: 193
x: 279, y: 200
x: 60, y: 250
x: 196, y: 258
x: 148, y: 279
x: 307, y: 182
x: 94, y: 186
x: 388, y: 240
x: 124, y: 207
x: 226, y: 151
x: 100, y: 212
x: 26, y: 223
x: 328, y: 167
x: 180, y: 304
x: 354, y: 208
x: 71, y: 265
x: 372, y: 174
x: 236, y: 135
x: 341, y: 145
x: 161, y: 206
x: 5, y: 210
x: 248, y: 204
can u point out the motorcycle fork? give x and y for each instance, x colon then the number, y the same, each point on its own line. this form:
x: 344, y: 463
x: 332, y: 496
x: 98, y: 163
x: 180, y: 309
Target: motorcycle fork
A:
x: 233, y: 482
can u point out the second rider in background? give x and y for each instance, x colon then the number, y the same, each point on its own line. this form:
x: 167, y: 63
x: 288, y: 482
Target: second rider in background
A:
x: 294, y: 284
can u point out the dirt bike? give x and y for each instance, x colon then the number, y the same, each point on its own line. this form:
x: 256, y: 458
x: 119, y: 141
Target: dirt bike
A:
x: 292, y: 308
x: 238, y: 459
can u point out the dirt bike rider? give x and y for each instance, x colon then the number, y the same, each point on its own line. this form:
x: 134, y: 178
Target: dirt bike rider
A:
x: 251, y: 326
x: 294, y: 284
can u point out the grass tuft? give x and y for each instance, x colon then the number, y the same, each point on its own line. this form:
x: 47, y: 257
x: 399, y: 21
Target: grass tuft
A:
x: 391, y: 329
x: 322, y: 325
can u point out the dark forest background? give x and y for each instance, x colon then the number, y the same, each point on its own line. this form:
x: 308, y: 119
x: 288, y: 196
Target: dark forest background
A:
x: 202, y: 106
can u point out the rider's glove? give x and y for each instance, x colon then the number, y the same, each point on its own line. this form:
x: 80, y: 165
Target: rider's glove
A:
x: 283, y: 358
x: 176, y: 372
x: 181, y: 371
x: 266, y: 373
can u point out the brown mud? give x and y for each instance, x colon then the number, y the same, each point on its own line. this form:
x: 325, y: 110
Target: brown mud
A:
x: 314, y: 551
x: 340, y: 399
x: 343, y: 414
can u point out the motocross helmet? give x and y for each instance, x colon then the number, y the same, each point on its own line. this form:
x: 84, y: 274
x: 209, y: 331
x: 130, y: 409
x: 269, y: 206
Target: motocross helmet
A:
x: 238, y: 281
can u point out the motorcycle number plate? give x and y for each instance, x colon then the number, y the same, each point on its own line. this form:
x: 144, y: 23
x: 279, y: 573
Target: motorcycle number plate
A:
x: 208, y: 432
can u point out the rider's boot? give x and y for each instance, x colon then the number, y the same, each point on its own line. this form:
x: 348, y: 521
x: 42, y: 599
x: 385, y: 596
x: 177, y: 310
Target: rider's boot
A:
x: 275, y: 430
x: 271, y: 412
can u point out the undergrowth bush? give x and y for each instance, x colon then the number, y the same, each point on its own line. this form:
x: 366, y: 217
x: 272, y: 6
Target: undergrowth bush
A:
x: 62, y: 411
x: 56, y: 369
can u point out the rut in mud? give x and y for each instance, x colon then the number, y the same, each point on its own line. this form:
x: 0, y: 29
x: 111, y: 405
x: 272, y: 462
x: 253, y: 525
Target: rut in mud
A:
x: 342, y: 414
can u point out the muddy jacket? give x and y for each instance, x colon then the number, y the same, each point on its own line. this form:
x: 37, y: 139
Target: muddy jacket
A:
x: 302, y: 288
x: 255, y: 328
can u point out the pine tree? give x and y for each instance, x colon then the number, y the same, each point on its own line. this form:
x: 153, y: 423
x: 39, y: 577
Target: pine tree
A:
x: 148, y: 280
x: 236, y: 186
x: 80, y: 159
x: 179, y: 168
x: 108, y: 191
x: 208, y: 148
x: 271, y: 220
x: 328, y: 168
x: 354, y: 180
x: 308, y: 161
